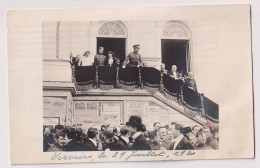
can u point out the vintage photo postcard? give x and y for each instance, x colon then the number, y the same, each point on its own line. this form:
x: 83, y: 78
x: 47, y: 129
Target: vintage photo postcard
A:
x: 130, y: 84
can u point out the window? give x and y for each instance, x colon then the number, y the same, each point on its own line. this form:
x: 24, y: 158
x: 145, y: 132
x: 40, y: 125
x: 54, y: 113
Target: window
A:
x: 175, y: 30
x: 112, y: 29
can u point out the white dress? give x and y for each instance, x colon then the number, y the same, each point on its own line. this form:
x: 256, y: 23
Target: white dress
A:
x: 84, y: 61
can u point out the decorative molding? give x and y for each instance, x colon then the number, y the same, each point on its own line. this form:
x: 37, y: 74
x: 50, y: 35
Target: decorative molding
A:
x: 112, y: 29
x: 132, y: 23
x: 151, y: 58
x: 57, y: 39
x: 175, y: 31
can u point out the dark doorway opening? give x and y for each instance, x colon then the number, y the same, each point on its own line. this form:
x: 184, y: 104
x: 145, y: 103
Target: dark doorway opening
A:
x: 175, y: 52
x: 116, y: 45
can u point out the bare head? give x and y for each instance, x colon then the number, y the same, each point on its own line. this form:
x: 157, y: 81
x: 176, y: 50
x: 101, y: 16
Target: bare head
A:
x: 110, y: 54
x: 163, y: 133
x: 174, y: 68
x: 162, y: 66
x: 190, y: 75
x: 86, y: 54
x: 156, y: 125
x: 101, y: 50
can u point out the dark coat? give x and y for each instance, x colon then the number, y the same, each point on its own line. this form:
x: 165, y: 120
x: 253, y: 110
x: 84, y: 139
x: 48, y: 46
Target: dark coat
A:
x: 114, y: 62
x: 47, y: 141
x: 178, y: 74
x: 152, y: 134
x: 203, y: 147
x: 141, y: 143
x: 73, y: 145
x: 90, y: 146
x: 100, y: 59
x: 167, y: 144
x: 184, y: 144
x: 120, y: 145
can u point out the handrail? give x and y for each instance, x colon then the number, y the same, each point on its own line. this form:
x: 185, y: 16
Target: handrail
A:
x: 157, y: 80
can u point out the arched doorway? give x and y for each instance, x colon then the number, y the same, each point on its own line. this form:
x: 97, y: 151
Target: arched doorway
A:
x: 175, y: 46
x: 112, y: 36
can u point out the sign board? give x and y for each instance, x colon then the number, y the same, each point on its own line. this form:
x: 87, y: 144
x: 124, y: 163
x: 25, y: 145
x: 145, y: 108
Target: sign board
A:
x: 51, y: 121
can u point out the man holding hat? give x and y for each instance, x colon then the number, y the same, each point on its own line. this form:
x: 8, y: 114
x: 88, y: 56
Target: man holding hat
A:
x: 134, y: 58
x: 100, y: 58
x: 136, y: 129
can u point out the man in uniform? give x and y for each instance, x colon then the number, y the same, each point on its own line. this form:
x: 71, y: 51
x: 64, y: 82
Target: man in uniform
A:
x: 99, y: 58
x: 165, y: 143
x: 134, y: 58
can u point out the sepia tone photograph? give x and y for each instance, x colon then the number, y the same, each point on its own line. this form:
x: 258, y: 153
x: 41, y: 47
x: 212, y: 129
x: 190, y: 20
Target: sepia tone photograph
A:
x: 124, y: 85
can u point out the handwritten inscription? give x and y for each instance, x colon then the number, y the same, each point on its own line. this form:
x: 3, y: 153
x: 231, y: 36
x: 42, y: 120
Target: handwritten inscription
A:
x: 120, y: 155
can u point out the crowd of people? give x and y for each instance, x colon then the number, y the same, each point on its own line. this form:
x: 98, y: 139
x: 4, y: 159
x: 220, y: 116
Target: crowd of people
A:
x: 130, y: 136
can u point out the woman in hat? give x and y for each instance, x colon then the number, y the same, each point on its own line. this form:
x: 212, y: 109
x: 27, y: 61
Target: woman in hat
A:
x: 85, y: 60
x: 137, y: 130
x: 111, y: 60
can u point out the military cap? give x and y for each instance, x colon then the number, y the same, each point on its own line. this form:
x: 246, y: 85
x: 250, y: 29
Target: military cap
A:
x: 136, y: 45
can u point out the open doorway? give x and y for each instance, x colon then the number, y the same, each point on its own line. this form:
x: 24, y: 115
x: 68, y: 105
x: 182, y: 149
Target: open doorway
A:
x: 116, y: 45
x: 175, y: 52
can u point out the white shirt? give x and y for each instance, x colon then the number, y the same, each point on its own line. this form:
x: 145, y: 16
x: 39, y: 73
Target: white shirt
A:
x: 110, y: 61
x: 177, y: 141
x: 125, y: 139
x: 174, y: 74
x: 94, y: 142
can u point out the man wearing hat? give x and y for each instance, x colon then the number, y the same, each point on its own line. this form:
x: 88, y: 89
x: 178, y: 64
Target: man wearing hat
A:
x: 91, y: 143
x: 134, y: 58
x: 99, y: 58
x: 137, y: 134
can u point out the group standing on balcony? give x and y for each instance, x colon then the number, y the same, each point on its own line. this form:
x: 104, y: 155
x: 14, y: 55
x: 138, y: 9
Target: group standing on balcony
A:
x: 133, y: 59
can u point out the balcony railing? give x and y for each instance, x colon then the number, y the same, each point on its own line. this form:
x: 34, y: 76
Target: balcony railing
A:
x: 151, y: 79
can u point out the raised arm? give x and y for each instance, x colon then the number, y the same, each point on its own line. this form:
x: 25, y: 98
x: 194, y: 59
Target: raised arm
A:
x: 125, y: 61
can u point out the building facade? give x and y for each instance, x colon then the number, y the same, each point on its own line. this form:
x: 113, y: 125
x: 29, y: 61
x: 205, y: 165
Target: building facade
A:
x: 172, y: 42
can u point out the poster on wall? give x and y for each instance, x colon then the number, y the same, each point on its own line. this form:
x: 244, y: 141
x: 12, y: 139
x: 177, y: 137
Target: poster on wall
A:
x: 94, y: 113
x: 55, y: 107
x: 51, y: 121
x: 140, y: 109
x: 111, y: 112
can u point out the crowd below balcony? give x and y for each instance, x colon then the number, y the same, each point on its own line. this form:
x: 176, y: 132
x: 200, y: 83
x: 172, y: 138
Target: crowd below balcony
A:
x: 132, y: 135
